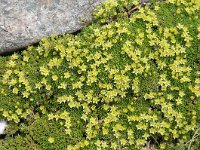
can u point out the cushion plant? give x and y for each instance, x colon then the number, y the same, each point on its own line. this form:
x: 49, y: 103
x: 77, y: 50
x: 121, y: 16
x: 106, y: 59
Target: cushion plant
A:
x: 127, y: 81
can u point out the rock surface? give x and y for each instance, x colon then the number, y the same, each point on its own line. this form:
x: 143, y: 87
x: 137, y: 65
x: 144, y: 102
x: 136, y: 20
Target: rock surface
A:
x: 3, y: 125
x: 24, y: 22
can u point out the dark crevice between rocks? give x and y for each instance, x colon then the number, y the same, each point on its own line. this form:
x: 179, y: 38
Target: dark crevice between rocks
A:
x: 2, y: 136
x: 6, y: 137
x: 76, y: 32
x: 10, y: 52
x: 19, y: 51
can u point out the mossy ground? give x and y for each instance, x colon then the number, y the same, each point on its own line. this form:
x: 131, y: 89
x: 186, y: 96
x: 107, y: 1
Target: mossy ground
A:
x: 127, y: 81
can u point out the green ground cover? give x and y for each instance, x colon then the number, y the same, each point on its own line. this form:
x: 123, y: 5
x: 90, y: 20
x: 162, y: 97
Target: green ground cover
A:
x: 127, y: 81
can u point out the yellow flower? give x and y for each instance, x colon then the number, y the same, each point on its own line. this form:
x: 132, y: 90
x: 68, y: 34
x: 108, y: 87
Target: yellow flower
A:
x: 140, y: 142
x: 54, y: 62
x: 62, y: 99
x: 38, y: 85
x: 180, y: 26
x: 66, y: 75
x: 19, y: 111
x: 185, y: 79
x: 68, y: 131
x: 98, y: 143
x: 25, y: 94
x: 105, y: 131
x: 44, y: 71
x: 175, y: 134
x: 170, y: 96
x: 15, y: 118
x: 25, y: 58
x: 113, y: 145
x: 50, y: 116
x: 55, y: 77
x: 14, y: 56
x: 77, y: 85
x: 195, y: 90
x: 84, y: 117
x: 156, y: 8
x: 15, y: 90
x: 51, y: 140
x: 104, y: 144
x: 48, y: 87
x: 44, y: 81
x: 71, y: 104
x: 181, y: 93
x: 118, y: 127
x: 62, y: 85
x: 5, y: 114
x: 11, y: 64
x: 162, y: 146
x: 123, y: 142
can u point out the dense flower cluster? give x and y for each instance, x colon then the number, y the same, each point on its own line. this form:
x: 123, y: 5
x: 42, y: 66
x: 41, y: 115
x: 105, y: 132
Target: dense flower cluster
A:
x: 127, y: 80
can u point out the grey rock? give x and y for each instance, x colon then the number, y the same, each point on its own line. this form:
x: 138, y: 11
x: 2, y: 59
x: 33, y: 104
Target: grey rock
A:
x: 24, y: 22
x: 3, y: 126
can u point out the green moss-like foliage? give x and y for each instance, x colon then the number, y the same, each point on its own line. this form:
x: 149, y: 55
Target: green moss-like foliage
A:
x: 127, y: 81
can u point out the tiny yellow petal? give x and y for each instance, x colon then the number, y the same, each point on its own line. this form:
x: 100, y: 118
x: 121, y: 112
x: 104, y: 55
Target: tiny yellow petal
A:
x: 51, y: 140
